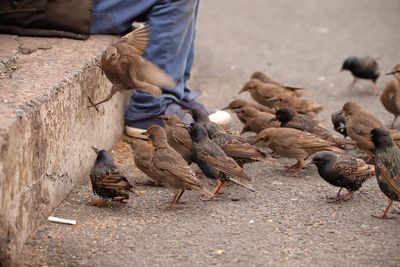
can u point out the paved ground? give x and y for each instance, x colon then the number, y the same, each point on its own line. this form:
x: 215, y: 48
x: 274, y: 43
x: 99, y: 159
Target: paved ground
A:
x: 286, y: 222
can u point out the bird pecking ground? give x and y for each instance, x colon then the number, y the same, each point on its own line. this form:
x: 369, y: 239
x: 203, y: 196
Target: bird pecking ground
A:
x: 286, y: 221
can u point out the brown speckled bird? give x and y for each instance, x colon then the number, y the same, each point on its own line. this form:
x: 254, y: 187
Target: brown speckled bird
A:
x: 302, y: 106
x: 291, y: 119
x: 266, y: 79
x: 263, y: 92
x: 240, y: 103
x: 295, y: 144
x: 163, y: 164
x: 390, y: 97
x: 342, y: 171
x: 256, y: 121
x: 359, y: 124
x: 213, y: 161
x: 387, y: 165
x: 124, y: 66
x: 178, y: 137
x: 107, y: 181
x: 235, y: 147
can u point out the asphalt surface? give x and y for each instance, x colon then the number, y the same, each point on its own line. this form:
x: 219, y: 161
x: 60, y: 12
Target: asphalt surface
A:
x: 286, y: 221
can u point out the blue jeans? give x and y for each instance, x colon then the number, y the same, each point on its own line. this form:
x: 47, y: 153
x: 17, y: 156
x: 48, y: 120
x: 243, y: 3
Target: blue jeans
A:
x: 171, y: 45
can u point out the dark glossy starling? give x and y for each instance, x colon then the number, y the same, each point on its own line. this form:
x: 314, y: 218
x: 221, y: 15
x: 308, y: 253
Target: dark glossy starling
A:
x: 339, y: 123
x: 390, y: 97
x: 387, y: 165
x: 214, y: 163
x: 295, y: 144
x: 291, y: 119
x: 162, y: 163
x: 107, y: 181
x: 124, y: 66
x: 256, y: 121
x: 342, y: 171
x: 362, y: 68
x: 235, y: 147
x: 178, y: 137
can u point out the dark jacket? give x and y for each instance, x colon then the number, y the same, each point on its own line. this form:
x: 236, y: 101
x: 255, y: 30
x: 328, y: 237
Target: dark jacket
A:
x: 57, y: 18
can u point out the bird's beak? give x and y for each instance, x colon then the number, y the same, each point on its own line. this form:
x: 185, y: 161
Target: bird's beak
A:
x: 95, y: 149
x: 145, y: 133
x: 274, y: 119
x: 244, y: 89
x: 225, y: 108
x: 340, y: 112
x: 391, y: 73
x: 182, y: 125
x: 308, y: 162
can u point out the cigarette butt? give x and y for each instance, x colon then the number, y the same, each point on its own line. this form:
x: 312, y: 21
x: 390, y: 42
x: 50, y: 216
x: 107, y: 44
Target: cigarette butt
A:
x: 61, y: 220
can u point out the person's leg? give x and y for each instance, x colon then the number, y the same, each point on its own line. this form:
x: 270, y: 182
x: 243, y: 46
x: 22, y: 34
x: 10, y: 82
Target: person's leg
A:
x: 172, y: 26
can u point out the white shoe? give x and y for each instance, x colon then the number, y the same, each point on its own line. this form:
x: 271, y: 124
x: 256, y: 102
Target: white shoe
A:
x: 219, y: 117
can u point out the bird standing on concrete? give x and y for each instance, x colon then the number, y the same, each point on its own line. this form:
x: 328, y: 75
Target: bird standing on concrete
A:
x: 178, y: 137
x: 266, y: 79
x: 339, y: 123
x: 362, y: 68
x: 214, y: 163
x: 263, y: 92
x: 163, y: 164
x: 124, y: 66
x: 390, y: 97
x: 291, y: 119
x: 256, y: 121
x: 387, y: 165
x: 342, y: 171
x: 107, y: 181
x: 295, y: 144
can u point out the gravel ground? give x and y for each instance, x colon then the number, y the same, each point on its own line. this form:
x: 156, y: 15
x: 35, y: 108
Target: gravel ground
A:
x: 286, y: 221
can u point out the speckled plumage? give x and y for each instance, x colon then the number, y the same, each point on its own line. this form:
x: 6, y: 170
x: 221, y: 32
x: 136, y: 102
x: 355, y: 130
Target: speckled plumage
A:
x: 212, y: 160
x: 342, y: 171
x: 289, y: 118
x: 107, y: 181
x: 387, y: 164
x: 302, y: 106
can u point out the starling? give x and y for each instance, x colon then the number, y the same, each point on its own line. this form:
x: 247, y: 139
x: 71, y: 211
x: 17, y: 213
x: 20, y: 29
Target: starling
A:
x: 124, y: 66
x: 178, y: 137
x: 107, y: 181
x: 359, y: 124
x: 266, y: 79
x: 339, y: 123
x: 362, y: 68
x: 291, y: 119
x: 240, y: 103
x: 167, y: 166
x: 214, y: 163
x: 256, y: 121
x: 234, y: 147
x: 342, y: 171
x: 387, y: 165
x: 302, y: 106
x: 295, y: 144
x: 390, y: 97
x: 263, y: 92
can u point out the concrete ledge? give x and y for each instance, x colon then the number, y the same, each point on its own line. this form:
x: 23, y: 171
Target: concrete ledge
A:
x: 46, y: 129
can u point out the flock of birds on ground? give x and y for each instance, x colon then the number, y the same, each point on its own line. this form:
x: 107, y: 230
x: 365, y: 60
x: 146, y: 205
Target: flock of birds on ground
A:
x: 282, y: 121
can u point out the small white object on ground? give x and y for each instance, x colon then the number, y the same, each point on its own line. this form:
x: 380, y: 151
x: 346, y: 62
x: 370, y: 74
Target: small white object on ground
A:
x: 220, y: 117
x: 61, y: 220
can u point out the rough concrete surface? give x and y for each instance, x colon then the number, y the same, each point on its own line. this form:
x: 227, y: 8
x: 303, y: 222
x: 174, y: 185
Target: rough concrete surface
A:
x: 286, y: 221
x: 46, y: 128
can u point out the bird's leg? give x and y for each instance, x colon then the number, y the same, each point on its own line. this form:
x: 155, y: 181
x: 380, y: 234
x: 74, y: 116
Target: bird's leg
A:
x: 384, y: 215
x: 179, y: 197
x: 216, y: 189
x: 339, y: 197
x: 333, y: 199
x: 376, y: 89
x: 98, y: 202
x: 353, y: 82
x: 110, y: 95
x: 174, y: 200
x: 394, y: 120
